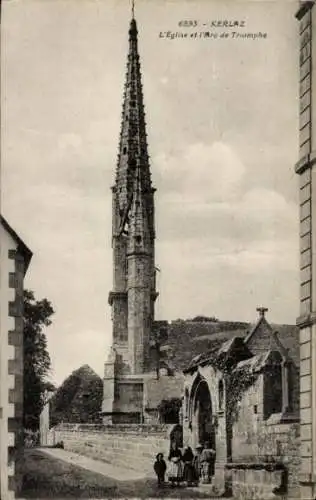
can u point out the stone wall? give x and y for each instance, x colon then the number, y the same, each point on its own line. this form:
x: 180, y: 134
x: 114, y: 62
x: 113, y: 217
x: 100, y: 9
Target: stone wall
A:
x: 254, y: 484
x: 256, y: 439
x: 131, y: 446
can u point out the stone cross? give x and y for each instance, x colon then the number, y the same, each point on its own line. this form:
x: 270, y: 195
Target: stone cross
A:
x: 262, y: 311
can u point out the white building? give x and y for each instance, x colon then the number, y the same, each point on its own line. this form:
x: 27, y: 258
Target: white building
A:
x: 14, y: 260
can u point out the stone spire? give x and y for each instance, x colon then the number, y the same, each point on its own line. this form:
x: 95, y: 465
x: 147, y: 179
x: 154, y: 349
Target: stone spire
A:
x: 133, y: 150
x: 139, y: 237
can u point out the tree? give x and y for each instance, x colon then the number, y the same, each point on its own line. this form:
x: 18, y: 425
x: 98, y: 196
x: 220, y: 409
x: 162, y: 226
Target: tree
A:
x: 78, y: 399
x: 37, y: 361
x: 169, y: 410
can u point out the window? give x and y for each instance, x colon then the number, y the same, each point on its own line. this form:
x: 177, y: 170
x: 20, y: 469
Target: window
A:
x: 273, y: 387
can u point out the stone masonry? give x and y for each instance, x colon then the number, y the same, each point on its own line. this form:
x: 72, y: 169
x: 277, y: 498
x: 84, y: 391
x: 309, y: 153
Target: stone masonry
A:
x: 130, y: 446
x: 305, y: 168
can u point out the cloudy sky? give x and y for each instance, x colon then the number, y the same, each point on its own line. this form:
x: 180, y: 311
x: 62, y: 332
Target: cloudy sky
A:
x: 222, y: 131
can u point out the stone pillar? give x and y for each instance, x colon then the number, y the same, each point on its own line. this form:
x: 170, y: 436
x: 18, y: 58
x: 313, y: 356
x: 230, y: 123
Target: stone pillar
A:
x: 109, y: 388
x: 305, y: 168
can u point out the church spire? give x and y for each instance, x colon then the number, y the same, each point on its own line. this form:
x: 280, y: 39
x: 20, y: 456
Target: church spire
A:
x: 133, y: 137
x: 139, y: 236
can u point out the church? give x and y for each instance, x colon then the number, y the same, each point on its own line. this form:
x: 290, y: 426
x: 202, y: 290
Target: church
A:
x: 129, y: 376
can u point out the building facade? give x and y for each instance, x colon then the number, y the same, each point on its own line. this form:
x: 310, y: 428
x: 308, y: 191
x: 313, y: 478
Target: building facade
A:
x: 14, y: 260
x: 242, y: 396
x: 305, y: 168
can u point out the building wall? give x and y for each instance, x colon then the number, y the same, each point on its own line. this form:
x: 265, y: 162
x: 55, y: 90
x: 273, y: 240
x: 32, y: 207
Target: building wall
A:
x: 117, y: 444
x: 11, y: 365
x: 305, y: 168
x: 246, y: 429
x: 256, y: 439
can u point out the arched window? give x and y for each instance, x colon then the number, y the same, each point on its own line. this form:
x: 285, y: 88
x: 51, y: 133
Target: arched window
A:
x: 220, y: 395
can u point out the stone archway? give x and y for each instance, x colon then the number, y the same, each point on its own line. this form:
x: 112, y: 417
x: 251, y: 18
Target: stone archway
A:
x: 201, y: 413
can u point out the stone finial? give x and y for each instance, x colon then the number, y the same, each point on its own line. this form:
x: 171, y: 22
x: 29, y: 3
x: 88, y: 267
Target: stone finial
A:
x: 262, y: 311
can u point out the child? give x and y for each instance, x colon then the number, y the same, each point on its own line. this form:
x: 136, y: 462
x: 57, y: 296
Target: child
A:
x: 160, y: 468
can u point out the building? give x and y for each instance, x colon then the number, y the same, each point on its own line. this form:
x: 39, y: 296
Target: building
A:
x: 129, y: 367
x: 305, y: 168
x: 242, y: 395
x: 14, y: 261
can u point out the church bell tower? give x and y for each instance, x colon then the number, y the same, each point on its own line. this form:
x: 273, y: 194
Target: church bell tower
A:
x: 133, y: 235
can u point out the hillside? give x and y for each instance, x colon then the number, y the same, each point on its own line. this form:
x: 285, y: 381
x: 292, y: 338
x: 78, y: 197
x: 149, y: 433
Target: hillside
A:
x: 188, y: 338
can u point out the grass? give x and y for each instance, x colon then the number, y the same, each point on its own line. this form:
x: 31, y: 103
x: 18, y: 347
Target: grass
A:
x: 45, y: 477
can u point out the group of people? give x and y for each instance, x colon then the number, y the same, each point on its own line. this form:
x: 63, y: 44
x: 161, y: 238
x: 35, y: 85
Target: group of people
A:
x: 186, y: 467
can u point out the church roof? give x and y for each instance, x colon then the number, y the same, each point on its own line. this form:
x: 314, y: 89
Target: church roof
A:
x: 221, y: 355
x: 257, y: 363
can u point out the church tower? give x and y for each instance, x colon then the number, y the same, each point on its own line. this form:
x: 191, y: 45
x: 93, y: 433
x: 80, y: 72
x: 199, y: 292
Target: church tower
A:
x: 133, y: 236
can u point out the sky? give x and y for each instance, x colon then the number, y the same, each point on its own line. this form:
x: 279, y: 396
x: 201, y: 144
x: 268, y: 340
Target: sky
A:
x: 222, y: 120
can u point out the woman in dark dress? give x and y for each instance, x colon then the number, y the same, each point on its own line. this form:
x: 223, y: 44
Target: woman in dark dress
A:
x: 175, y: 469
x: 189, y: 475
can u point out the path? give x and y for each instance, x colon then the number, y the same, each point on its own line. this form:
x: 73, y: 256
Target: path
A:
x: 97, y: 466
x: 55, y: 473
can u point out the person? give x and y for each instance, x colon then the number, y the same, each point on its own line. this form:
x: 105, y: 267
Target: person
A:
x: 189, y: 475
x: 208, y: 463
x: 175, y: 470
x: 197, y: 462
x: 160, y: 468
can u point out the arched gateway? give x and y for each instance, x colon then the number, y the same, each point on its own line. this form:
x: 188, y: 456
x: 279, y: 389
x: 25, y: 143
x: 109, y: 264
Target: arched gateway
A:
x: 201, y: 413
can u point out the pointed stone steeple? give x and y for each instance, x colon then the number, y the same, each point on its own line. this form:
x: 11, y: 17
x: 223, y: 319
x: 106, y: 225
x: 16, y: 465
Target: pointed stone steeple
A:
x: 139, y: 237
x: 133, y: 149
